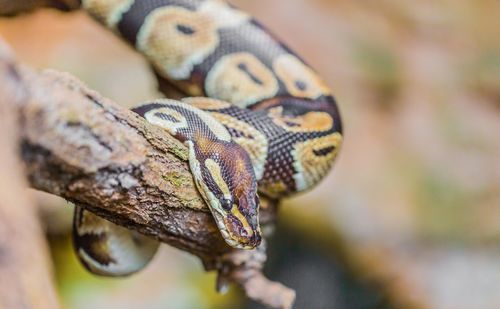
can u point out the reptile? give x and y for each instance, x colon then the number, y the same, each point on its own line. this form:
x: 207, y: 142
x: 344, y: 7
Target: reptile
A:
x: 256, y: 118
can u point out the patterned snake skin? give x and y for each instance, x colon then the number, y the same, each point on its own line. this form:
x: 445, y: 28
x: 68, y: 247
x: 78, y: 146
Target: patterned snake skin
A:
x: 259, y: 118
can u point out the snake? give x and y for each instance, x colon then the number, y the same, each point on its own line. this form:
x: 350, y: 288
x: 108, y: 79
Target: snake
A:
x: 255, y: 117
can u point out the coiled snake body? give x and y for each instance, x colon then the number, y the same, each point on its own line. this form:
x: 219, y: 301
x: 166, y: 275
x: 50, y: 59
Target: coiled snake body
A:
x: 258, y: 118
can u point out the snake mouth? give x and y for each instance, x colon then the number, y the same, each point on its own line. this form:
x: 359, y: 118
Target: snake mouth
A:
x: 237, y: 235
x: 246, y: 235
x: 238, y: 242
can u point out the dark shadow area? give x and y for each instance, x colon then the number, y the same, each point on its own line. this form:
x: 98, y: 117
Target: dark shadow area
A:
x: 318, y: 275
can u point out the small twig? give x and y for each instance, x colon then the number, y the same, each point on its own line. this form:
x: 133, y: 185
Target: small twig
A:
x: 245, y: 267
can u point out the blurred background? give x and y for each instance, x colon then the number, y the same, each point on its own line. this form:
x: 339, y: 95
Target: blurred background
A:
x: 410, y: 215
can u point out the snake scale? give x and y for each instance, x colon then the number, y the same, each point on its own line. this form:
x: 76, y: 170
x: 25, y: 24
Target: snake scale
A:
x: 255, y: 118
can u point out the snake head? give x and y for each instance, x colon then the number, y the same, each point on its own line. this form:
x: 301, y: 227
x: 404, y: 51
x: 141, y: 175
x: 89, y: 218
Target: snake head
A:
x: 222, y: 169
x: 225, y: 178
x: 241, y: 218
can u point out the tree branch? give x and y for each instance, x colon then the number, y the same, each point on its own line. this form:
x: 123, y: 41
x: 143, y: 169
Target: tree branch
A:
x: 87, y: 149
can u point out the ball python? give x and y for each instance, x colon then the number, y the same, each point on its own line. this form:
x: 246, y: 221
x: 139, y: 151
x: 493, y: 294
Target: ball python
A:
x: 256, y: 118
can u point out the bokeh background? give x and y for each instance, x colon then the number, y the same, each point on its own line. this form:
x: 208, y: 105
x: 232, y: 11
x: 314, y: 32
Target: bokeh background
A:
x: 410, y: 215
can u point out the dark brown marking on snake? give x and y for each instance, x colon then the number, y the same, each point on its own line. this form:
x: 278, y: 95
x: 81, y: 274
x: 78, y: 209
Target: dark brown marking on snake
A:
x: 292, y: 124
x: 324, y: 151
x: 301, y: 84
x: 95, y: 244
x: 184, y: 29
x: 244, y: 68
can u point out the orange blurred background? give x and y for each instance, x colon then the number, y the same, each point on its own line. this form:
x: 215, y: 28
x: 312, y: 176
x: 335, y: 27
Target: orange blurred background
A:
x: 410, y: 215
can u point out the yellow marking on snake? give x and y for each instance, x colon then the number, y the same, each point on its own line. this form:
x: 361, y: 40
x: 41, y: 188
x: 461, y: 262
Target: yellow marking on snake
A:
x: 208, y: 196
x: 155, y: 117
x: 216, y: 174
x: 241, y: 79
x: 311, y: 167
x: 309, y: 122
x: 206, y: 103
x: 299, y: 79
x: 274, y: 189
x: 235, y: 212
x: 176, y: 39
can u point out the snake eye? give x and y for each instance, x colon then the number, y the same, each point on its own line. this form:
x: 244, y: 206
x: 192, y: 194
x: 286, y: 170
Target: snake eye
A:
x: 227, y: 204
